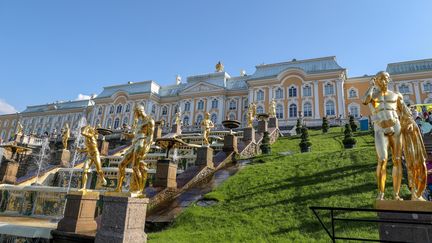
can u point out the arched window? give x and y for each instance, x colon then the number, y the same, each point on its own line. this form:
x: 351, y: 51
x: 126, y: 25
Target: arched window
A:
x: 260, y: 95
x: 187, y: 107
x: 245, y: 103
x: 292, y: 92
x: 5, y: 123
x: 109, y: 123
x: 307, y: 109
x: 200, y: 105
x: 293, y: 110
x: 232, y: 105
x: 164, y: 111
x: 100, y: 111
x: 186, y: 121
x: 125, y: 121
x: 279, y: 93
x: 3, y: 135
x: 232, y: 116
x: 279, y: 111
x: 404, y: 89
x: 119, y: 109
x: 116, y: 123
x: 176, y: 109
x: 153, y: 109
x: 330, y: 108
x: 352, y: 93
x: 213, y: 118
x: 215, y: 104
x: 260, y: 110
x: 199, y: 119
x: 427, y: 87
x: 128, y: 106
x: 354, y: 111
x: 307, y: 90
x: 328, y: 89
x: 111, y: 110
x: 244, y: 118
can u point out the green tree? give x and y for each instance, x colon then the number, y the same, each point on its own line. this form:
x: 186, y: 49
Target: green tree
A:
x: 349, y: 141
x: 305, y: 144
x: 352, y: 124
x: 298, y: 127
x: 325, y: 125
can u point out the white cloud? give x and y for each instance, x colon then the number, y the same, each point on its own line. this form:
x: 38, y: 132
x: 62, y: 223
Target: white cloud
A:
x: 85, y: 97
x: 6, y: 108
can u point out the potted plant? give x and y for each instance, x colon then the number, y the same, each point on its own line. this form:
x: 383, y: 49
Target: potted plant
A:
x: 298, y: 127
x: 349, y: 141
x: 352, y: 123
x: 325, y: 125
x: 305, y: 144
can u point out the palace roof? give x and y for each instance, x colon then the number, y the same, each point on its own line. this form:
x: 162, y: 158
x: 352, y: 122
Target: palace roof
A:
x: 77, y: 104
x: 130, y: 88
x: 410, y: 66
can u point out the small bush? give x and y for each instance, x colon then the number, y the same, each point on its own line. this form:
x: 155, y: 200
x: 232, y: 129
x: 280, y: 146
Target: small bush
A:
x: 298, y: 127
x: 349, y: 141
x: 325, y: 125
x: 304, y: 143
x: 352, y: 124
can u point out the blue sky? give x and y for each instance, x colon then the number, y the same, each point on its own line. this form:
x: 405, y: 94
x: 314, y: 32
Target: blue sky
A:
x: 56, y: 50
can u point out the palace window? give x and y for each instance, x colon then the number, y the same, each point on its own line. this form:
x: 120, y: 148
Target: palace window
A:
x: 232, y: 105
x: 292, y: 92
x: 186, y: 121
x: 307, y: 90
x: 187, y: 106
x: 279, y: 93
x: 260, y: 110
x: 125, y: 121
x: 200, y: 105
x: 119, y: 109
x: 260, y: 95
x: 116, y: 123
x: 329, y: 89
x: 330, y: 108
x: 354, y: 111
x: 245, y: 103
x: 176, y: 109
x: 164, y: 111
x: 215, y: 104
x: 279, y: 111
x: 100, y: 111
x: 307, y: 109
x: 109, y: 123
x: 232, y: 117
x: 153, y: 109
x: 128, y: 106
x: 111, y: 110
x: 404, y: 89
x: 214, y: 118
x: 199, y: 119
x: 97, y: 123
x: 352, y: 93
x: 293, y: 110
x: 5, y: 123
x: 427, y: 87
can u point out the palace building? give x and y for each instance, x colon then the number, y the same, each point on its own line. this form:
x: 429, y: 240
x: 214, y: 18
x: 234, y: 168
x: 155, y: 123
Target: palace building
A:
x: 310, y: 88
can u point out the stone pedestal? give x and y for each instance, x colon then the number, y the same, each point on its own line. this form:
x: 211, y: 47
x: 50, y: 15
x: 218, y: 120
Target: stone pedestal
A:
x: 204, y: 157
x: 262, y: 126
x: 176, y: 129
x: 104, y: 148
x: 79, y: 213
x: 8, y: 171
x: 230, y: 143
x: 123, y: 220
x: 249, y: 134
x: 273, y: 122
x: 62, y: 157
x: 166, y: 174
x: 405, y: 232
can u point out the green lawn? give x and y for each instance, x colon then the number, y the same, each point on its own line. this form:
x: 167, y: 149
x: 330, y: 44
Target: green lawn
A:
x: 268, y: 201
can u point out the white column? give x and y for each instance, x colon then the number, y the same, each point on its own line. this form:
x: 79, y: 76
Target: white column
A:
x: 208, y: 104
x: 221, y: 109
x: 417, y: 92
x: 316, y: 100
x: 238, y: 108
x: 340, y: 97
x: 270, y: 93
x: 192, y: 107
x: 250, y: 98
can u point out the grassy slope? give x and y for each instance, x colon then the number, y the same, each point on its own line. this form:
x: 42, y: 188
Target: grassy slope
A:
x: 268, y: 202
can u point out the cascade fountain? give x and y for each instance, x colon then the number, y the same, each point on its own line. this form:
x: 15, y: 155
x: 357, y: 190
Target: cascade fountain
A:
x: 78, y: 143
x: 42, y: 157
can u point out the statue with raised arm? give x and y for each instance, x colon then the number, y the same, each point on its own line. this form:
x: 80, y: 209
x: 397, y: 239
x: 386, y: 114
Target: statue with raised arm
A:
x: 272, y: 108
x: 395, y: 131
x: 178, y: 119
x: 65, y: 135
x: 143, y: 129
x: 20, y: 129
x: 90, y: 135
x: 206, y: 125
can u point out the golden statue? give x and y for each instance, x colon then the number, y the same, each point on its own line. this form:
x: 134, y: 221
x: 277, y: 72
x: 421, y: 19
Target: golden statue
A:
x: 219, y: 67
x: 65, y: 135
x: 206, y: 125
x: 20, y: 129
x: 253, y: 108
x: 250, y: 118
x: 178, y: 119
x: 272, y: 108
x: 395, y: 129
x: 93, y: 157
x: 143, y: 129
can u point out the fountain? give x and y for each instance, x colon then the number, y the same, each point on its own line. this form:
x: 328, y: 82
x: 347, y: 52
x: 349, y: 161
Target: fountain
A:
x: 9, y: 167
x: 104, y: 145
x: 230, y: 140
x: 42, y: 157
x: 231, y: 124
x: 78, y: 143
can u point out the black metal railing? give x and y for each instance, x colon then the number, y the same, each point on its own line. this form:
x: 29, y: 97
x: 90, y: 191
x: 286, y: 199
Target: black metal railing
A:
x: 334, y: 219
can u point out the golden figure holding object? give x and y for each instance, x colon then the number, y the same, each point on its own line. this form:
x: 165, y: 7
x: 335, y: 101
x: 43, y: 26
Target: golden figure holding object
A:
x: 93, y: 157
x: 20, y: 129
x: 65, y: 135
x: 272, y: 108
x: 206, y: 125
x: 395, y: 130
x: 178, y: 118
x: 143, y: 129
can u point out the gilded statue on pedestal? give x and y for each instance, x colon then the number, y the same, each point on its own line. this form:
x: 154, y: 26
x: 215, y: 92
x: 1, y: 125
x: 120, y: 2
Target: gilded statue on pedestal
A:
x: 395, y: 131
x: 219, y: 67
x: 65, y: 135
x: 20, y: 129
x: 93, y: 157
x: 206, y: 125
x: 143, y: 129
x: 272, y: 108
x: 178, y: 119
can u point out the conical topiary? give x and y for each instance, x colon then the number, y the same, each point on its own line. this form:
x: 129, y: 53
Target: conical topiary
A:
x: 349, y: 141
x: 352, y: 124
x: 298, y: 127
x: 305, y: 144
x: 325, y: 125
